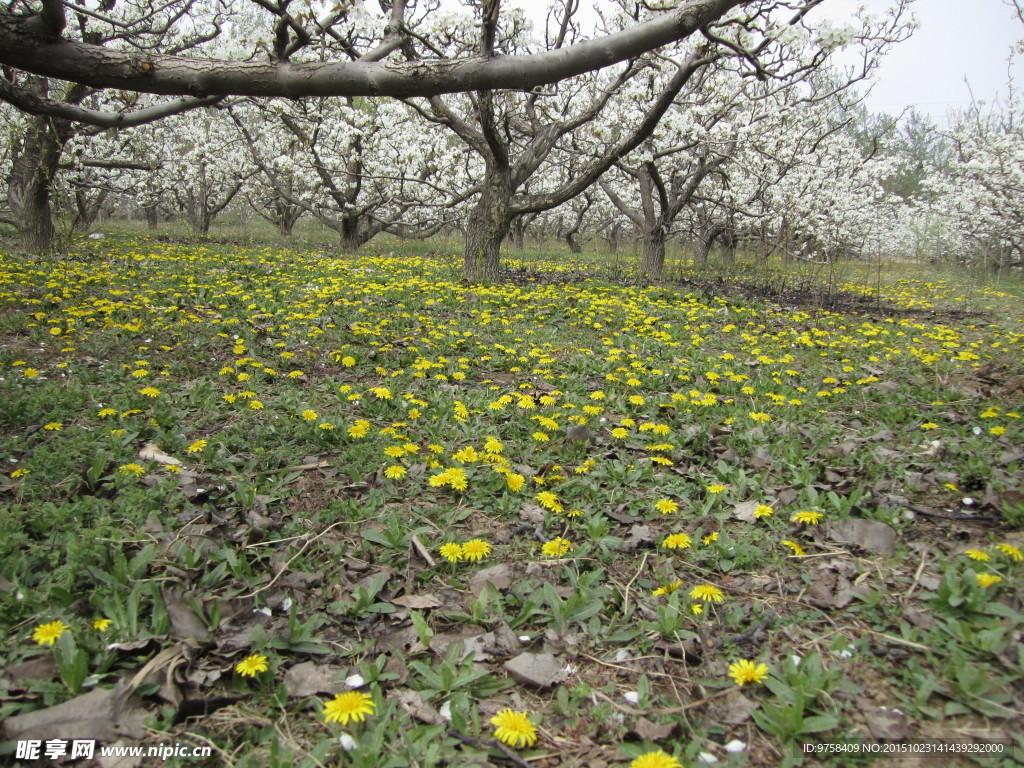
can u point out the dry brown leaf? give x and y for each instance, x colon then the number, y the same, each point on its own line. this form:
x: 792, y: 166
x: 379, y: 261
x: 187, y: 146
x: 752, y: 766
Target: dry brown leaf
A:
x: 417, y: 602
x: 150, y: 452
x: 745, y: 511
x: 309, y: 679
x: 540, y: 670
x: 103, y: 714
x: 413, y: 703
x: 870, y: 535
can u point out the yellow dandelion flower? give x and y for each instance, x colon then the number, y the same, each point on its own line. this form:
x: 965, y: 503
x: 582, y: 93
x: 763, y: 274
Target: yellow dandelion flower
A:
x: 132, y: 469
x: 451, y: 552
x: 515, y: 482
x: 763, y: 510
x: 557, y: 547
x: 351, y: 705
x: 987, y: 579
x: 676, y: 541
x: 395, y: 472
x: 360, y: 429
x: 667, y: 589
x: 666, y: 506
x: 197, y: 446
x: 47, y: 634
x: 1009, y: 550
x: 101, y: 624
x: 475, y: 549
x: 149, y: 391
x: 716, y: 488
x: 457, y: 479
x: 548, y: 500
x: 310, y: 415
x: 53, y: 426
x: 514, y: 728
x: 708, y: 593
x: 656, y: 759
x: 252, y: 665
x: 711, y: 538
x: 745, y: 671
x: 978, y: 554
x: 807, y: 517
x: 106, y: 413
x: 796, y: 548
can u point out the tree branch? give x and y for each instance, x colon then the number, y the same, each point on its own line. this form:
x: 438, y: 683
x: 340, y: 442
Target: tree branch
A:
x: 32, y: 44
x: 34, y: 104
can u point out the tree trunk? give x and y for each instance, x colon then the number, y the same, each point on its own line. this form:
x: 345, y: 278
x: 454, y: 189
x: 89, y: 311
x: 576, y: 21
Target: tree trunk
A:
x: 487, y: 227
x: 573, y: 243
x: 201, y: 222
x: 613, y: 240
x: 653, y: 261
x: 32, y: 174
x: 705, y: 239
x: 351, y: 238
x: 518, y: 233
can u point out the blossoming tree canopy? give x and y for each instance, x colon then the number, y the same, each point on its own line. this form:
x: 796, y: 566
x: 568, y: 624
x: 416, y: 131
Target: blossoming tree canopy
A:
x: 341, y: 52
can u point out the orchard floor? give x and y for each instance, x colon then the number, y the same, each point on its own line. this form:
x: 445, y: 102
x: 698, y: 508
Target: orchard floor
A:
x: 567, y: 495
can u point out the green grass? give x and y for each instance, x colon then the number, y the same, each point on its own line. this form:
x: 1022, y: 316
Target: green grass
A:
x: 339, y: 418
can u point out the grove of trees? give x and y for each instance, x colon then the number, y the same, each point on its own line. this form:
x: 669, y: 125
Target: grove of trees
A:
x: 725, y: 123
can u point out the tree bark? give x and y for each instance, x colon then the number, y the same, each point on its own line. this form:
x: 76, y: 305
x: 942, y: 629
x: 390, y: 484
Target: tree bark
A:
x: 487, y: 227
x: 705, y: 240
x: 32, y: 174
x: 653, y: 261
x: 32, y: 46
x: 518, y: 232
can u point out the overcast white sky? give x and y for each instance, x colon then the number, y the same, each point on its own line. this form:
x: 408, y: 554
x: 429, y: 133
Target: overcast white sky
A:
x: 956, y: 39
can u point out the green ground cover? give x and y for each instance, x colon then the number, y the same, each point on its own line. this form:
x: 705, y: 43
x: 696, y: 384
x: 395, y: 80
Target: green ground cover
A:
x: 714, y: 515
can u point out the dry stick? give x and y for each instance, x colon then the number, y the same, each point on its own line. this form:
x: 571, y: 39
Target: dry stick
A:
x: 818, y: 554
x: 493, y: 743
x: 625, y: 599
x: 917, y: 574
x: 322, y: 464
x: 272, y: 542
x: 742, y: 637
x: 929, y: 513
x: 421, y: 550
x: 665, y: 710
x: 199, y: 737
x: 899, y: 640
x: 291, y: 560
x: 651, y: 673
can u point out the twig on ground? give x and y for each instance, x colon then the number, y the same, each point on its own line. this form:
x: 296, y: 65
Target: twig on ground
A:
x: 490, y: 743
x: 291, y: 560
x: 917, y: 574
x: 941, y: 516
x: 421, y: 550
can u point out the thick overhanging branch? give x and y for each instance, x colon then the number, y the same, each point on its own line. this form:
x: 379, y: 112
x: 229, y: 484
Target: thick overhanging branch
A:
x: 34, y: 104
x: 30, y: 43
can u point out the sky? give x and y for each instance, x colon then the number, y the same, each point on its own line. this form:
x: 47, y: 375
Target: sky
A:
x: 957, y: 42
x: 955, y: 39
